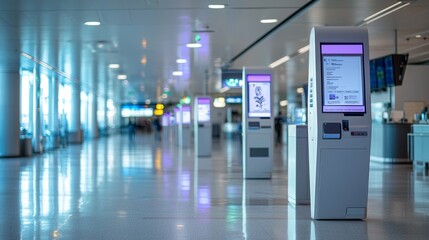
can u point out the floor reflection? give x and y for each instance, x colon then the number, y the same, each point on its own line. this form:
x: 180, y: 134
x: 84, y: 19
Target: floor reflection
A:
x: 114, y: 188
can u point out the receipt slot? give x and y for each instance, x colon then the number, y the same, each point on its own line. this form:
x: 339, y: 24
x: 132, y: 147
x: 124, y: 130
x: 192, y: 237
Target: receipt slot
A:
x: 202, y: 126
x: 184, y: 126
x: 339, y: 122
x: 257, y: 125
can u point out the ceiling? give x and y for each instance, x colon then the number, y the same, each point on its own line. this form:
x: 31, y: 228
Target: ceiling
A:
x: 147, y: 36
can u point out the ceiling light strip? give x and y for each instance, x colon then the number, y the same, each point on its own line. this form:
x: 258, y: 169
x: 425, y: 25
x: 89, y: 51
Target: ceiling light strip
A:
x: 385, y: 14
x: 382, y: 11
x: 279, y: 62
x: 275, y: 28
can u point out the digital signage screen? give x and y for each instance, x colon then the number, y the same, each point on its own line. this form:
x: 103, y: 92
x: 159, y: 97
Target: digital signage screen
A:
x: 259, y: 95
x: 380, y: 73
x: 136, y: 110
x: 232, y: 78
x: 343, y: 80
x: 203, y: 110
x: 234, y: 100
x: 389, y: 73
x: 373, y: 76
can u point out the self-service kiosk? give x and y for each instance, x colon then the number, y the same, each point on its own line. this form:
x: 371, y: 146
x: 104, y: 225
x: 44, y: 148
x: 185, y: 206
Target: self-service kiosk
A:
x: 184, y: 126
x: 202, y: 126
x: 339, y: 122
x: 257, y: 124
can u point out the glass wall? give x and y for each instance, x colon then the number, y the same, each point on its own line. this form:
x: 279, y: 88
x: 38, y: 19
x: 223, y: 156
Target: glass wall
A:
x: 58, y: 104
x: 64, y: 104
x: 26, y: 96
x: 84, y: 111
x: 44, y: 101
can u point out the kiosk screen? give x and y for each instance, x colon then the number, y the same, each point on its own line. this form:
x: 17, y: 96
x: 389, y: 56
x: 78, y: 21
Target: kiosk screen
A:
x: 203, y: 110
x: 343, y: 78
x: 186, y: 114
x: 259, y: 95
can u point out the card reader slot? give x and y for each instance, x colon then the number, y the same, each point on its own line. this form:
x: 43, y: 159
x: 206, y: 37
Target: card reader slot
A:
x: 259, y: 152
x: 331, y: 130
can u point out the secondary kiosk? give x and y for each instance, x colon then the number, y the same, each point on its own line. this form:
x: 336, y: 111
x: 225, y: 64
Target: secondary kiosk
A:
x: 257, y: 123
x: 202, y: 126
x: 339, y: 122
x: 184, y: 126
x: 297, y: 158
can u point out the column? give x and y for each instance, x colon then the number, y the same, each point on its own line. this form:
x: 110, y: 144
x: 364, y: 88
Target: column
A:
x: 37, y: 113
x: 9, y: 112
x: 106, y: 98
x: 93, y: 99
x: 53, y: 109
x: 9, y: 93
x: 75, y: 133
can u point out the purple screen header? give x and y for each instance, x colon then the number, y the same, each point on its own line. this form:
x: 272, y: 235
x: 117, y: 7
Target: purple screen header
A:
x: 258, y: 77
x: 186, y: 108
x: 203, y: 100
x: 342, y: 48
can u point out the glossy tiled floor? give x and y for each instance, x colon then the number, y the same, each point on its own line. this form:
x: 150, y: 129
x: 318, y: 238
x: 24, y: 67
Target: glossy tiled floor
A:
x: 114, y: 188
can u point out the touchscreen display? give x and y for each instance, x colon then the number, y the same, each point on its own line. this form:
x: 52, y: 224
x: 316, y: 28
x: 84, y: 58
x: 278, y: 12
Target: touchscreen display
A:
x: 203, y: 110
x: 186, y: 114
x: 259, y: 95
x: 343, y: 78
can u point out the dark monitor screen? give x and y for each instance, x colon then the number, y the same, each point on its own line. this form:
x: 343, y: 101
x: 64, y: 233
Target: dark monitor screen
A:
x: 343, y: 78
x: 259, y: 95
x: 394, y: 69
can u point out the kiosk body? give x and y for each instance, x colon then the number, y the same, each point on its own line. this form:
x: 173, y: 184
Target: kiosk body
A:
x: 184, y: 126
x: 257, y: 123
x: 298, y: 179
x: 202, y: 126
x: 339, y: 122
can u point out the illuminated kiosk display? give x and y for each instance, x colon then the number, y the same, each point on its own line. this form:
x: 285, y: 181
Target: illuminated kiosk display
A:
x: 339, y: 122
x: 257, y: 123
x: 202, y: 126
x: 184, y: 125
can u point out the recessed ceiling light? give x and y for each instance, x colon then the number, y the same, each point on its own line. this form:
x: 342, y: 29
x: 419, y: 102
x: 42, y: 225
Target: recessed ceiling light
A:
x: 143, y: 61
x: 92, y: 23
x: 177, y: 73
x: 217, y: 6
x: 122, y: 77
x: 193, y: 45
x: 283, y: 103
x: 269, y: 20
x: 114, y: 66
x: 181, y: 60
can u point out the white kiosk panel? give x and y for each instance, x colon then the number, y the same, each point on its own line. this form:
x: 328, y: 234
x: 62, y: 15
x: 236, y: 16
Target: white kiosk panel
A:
x: 184, y: 126
x: 202, y: 126
x: 257, y: 123
x: 339, y: 122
